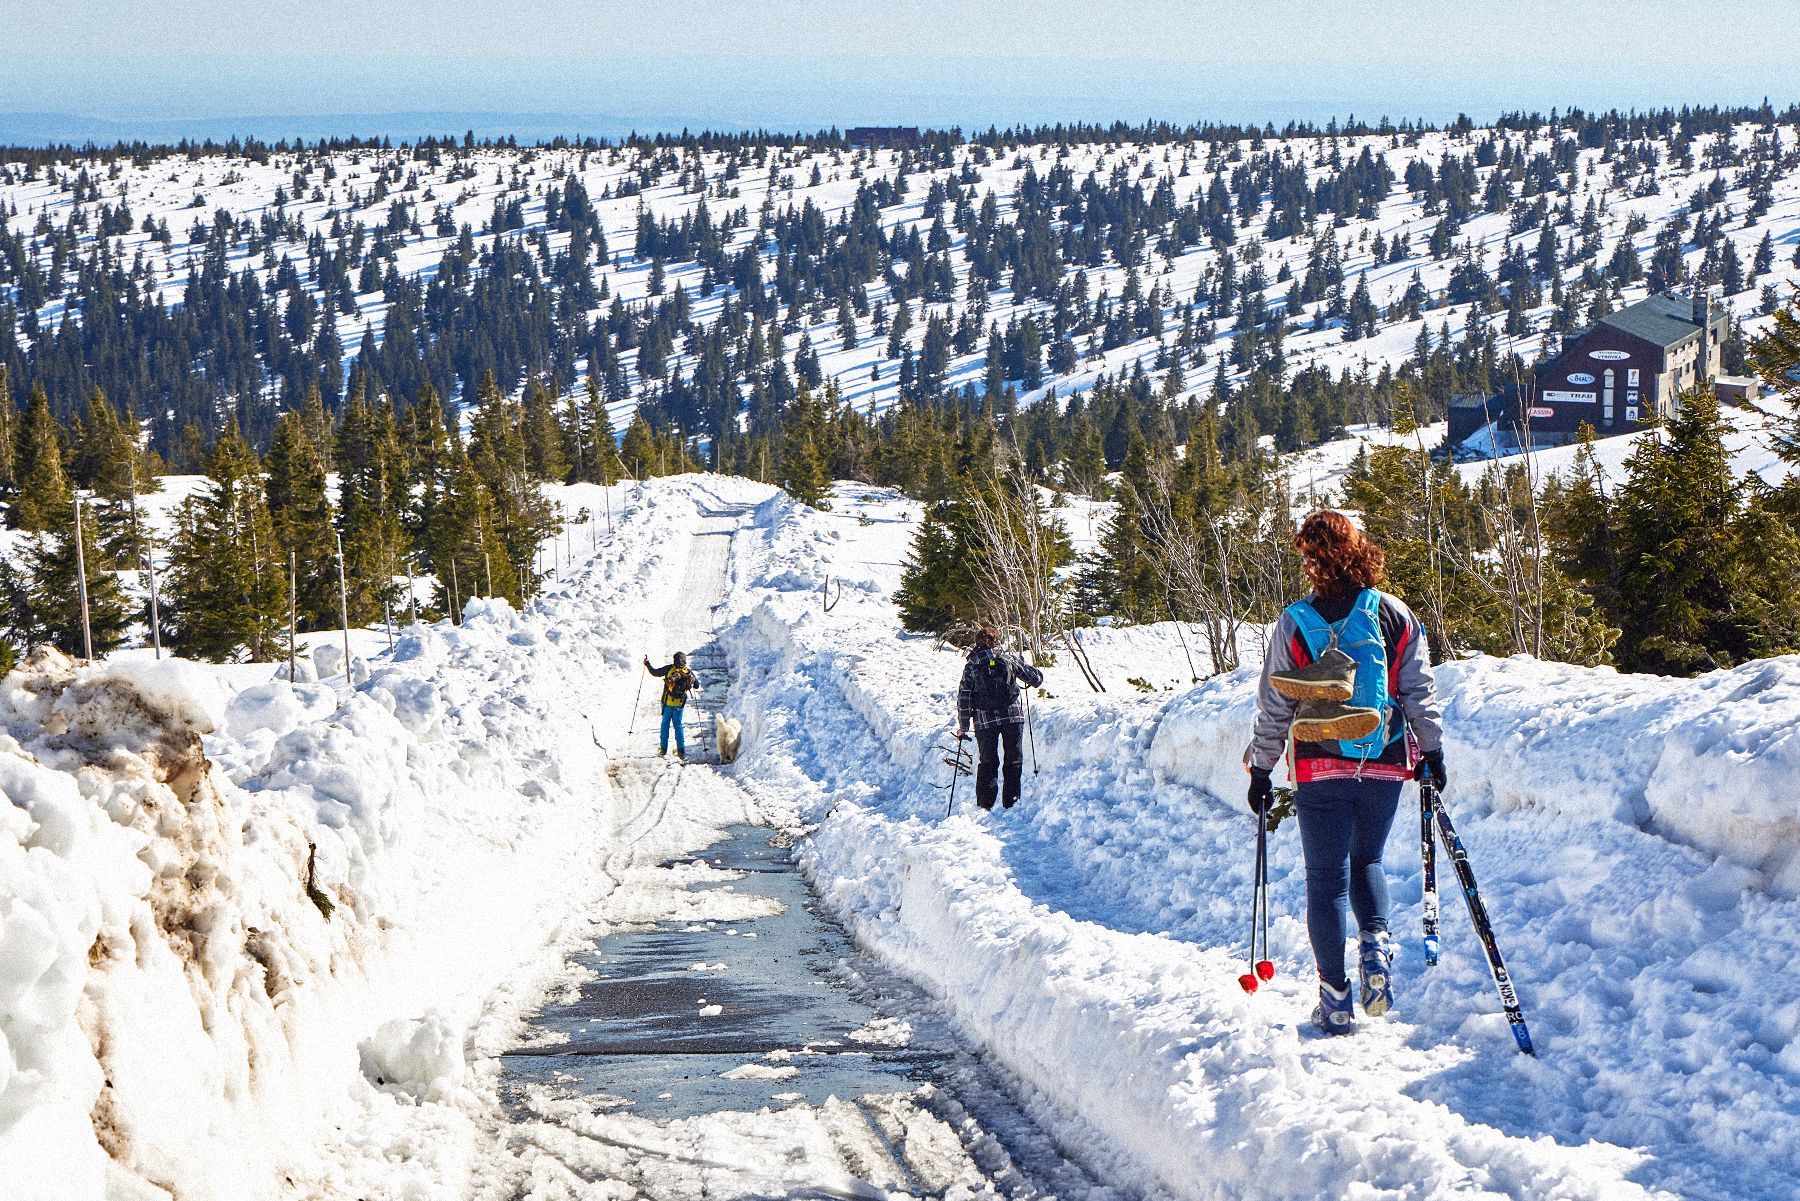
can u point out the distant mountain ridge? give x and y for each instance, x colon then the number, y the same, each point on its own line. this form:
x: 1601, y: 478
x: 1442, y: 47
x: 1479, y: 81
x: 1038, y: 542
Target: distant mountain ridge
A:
x: 41, y: 129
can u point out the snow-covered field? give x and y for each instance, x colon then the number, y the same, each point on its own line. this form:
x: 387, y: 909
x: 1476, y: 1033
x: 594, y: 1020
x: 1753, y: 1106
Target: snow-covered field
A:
x: 179, y: 1018
x: 345, y: 197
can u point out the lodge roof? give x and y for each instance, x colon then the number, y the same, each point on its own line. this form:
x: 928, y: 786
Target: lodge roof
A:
x: 1664, y: 320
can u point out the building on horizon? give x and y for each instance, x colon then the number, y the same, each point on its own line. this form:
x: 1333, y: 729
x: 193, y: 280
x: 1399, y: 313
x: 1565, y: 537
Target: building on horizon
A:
x: 1619, y: 375
x: 881, y: 137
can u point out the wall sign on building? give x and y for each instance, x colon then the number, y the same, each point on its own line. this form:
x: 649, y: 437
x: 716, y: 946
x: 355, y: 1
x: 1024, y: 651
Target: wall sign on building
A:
x: 1536, y: 411
x: 1580, y: 377
x: 1609, y: 356
x: 1549, y: 396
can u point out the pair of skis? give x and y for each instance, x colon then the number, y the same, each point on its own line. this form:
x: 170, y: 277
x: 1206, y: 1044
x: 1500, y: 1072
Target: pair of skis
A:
x: 1432, y: 811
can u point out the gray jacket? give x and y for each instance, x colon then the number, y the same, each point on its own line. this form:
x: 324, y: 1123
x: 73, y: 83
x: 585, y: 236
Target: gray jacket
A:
x: 1410, y: 682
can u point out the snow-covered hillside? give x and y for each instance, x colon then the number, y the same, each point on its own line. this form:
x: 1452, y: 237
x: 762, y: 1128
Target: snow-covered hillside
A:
x: 404, y: 210
x: 178, y: 1015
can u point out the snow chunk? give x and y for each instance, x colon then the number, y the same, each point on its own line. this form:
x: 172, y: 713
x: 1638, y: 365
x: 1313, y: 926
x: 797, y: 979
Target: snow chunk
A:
x: 760, y: 1071
x: 421, y: 1057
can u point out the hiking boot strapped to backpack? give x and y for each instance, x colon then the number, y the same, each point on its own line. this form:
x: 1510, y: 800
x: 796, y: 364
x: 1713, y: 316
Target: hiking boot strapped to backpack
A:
x: 1356, y: 722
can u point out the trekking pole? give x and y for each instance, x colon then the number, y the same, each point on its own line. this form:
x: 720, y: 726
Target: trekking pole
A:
x: 1030, y: 735
x: 1261, y: 967
x: 1478, y: 915
x: 635, y: 698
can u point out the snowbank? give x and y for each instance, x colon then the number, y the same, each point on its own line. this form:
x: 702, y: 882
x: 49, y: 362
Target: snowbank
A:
x: 1631, y: 835
x: 258, y: 942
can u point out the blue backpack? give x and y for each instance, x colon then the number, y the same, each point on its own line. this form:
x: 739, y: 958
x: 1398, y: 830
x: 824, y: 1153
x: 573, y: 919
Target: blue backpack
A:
x: 1359, y: 636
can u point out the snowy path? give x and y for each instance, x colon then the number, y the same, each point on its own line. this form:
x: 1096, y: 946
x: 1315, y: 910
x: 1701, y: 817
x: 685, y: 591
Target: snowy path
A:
x: 723, y: 1037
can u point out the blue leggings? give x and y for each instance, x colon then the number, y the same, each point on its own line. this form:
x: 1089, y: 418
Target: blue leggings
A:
x: 672, y: 718
x: 1343, y: 826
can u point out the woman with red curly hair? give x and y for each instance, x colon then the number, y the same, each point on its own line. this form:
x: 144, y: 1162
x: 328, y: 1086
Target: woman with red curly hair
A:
x: 1347, y: 690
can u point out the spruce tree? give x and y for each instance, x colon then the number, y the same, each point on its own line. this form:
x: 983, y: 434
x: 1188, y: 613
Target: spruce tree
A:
x: 226, y: 588
x: 1775, y: 356
x: 638, y: 451
x: 105, y: 462
x: 9, y: 438
x: 300, y: 514
x: 44, y: 495
x: 544, y: 454
x: 804, y: 453
x: 522, y: 517
x: 1701, y: 584
x: 52, y: 591
x: 939, y: 589
x: 370, y: 493
x: 1120, y: 579
x: 604, y: 465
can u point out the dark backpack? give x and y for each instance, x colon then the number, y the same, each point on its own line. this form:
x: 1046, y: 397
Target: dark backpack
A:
x: 679, y: 683
x: 993, y: 689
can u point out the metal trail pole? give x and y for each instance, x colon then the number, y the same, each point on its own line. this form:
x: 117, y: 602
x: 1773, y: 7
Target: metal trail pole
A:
x: 455, y: 599
x: 293, y: 611
x: 343, y: 605
x: 87, y: 634
x: 155, y: 614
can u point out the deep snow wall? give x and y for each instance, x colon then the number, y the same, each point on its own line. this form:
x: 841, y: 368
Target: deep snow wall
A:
x: 1633, y: 837
x: 178, y: 1014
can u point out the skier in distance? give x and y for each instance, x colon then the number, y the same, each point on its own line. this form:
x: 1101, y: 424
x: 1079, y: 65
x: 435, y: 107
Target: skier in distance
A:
x: 1348, y: 680
x: 990, y: 700
x: 678, y: 682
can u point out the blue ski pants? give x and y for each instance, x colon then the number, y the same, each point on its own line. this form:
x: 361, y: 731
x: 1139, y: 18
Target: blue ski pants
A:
x: 1344, y: 825
x: 672, y: 720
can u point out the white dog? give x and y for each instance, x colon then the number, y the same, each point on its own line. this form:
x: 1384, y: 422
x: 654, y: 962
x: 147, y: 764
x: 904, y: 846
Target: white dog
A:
x: 729, y: 733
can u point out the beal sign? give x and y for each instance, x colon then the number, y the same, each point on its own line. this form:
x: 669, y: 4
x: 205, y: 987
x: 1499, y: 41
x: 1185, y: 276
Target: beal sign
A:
x: 1580, y: 377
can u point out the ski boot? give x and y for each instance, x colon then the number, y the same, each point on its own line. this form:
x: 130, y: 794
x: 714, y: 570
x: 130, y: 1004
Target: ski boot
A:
x: 1335, y: 1012
x: 662, y: 751
x: 1325, y: 721
x: 1377, y: 954
x: 1331, y: 677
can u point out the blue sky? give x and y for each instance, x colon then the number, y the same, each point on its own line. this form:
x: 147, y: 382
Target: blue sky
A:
x: 810, y: 63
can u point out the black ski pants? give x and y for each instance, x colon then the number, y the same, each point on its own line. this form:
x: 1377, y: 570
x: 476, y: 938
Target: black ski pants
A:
x: 989, y: 741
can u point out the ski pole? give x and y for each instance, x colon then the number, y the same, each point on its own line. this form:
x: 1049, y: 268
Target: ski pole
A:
x: 1428, y: 866
x: 635, y: 698
x: 1261, y: 968
x: 1478, y: 917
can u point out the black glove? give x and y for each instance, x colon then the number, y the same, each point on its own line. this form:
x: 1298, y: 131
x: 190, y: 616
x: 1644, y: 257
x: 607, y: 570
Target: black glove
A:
x: 1434, y: 762
x: 1262, y: 792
